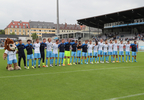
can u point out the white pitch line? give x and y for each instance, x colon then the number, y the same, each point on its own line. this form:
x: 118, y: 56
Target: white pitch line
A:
x: 66, y: 72
x: 134, y: 95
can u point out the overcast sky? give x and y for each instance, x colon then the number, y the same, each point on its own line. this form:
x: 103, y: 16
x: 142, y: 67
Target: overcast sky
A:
x: 70, y: 10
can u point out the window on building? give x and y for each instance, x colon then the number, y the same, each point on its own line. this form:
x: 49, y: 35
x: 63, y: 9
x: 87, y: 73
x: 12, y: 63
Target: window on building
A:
x: 49, y: 30
x: 19, y: 26
x: 19, y: 30
x: 23, y: 30
x: 10, y: 30
x: 39, y: 26
x: 11, y: 26
x: 27, y: 24
x: 15, y: 26
x: 15, y: 30
x: 39, y: 30
x: 18, y: 23
x: 27, y: 30
x: 62, y: 30
x: 23, y: 26
x: 53, y: 30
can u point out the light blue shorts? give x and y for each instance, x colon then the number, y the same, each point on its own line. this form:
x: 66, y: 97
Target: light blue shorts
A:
x: 134, y: 53
x: 79, y: 53
x: 121, y: 53
x: 90, y: 54
x: 37, y: 55
x: 11, y: 61
x: 84, y: 54
x: 110, y: 53
x: 49, y: 54
x: 95, y: 54
x: 55, y: 55
x: 30, y: 56
x: 100, y: 52
x: 105, y: 53
x: 127, y: 53
x: 61, y: 54
x: 73, y: 54
x: 115, y: 53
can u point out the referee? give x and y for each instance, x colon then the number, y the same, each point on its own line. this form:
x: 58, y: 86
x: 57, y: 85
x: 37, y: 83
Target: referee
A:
x: 42, y: 51
x: 21, y: 53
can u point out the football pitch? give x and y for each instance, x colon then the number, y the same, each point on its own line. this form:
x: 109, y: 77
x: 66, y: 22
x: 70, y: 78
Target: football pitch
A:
x: 113, y: 81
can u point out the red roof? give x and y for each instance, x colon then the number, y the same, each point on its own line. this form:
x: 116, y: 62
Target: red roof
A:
x: 18, y: 24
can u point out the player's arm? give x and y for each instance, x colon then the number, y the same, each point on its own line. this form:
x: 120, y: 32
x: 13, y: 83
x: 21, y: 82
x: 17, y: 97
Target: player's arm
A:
x: 5, y: 54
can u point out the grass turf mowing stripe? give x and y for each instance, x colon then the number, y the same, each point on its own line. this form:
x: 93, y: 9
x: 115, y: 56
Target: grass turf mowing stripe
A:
x: 134, y: 95
x: 67, y: 72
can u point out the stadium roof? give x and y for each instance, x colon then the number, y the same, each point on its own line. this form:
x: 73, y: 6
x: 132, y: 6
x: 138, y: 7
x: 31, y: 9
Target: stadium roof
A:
x: 126, y: 16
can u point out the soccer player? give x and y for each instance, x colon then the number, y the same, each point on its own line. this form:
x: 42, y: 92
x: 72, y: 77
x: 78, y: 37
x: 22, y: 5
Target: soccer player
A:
x: 67, y: 52
x: 128, y: 50
x: 42, y: 51
x: 61, y: 47
x: 121, y: 51
x: 84, y: 52
x: 110, y: 50
x: 134, y: 51
x: 95, y: 52
x: 105, y: 54
x: 29, y: 48
x: 55, y: 51
x: 100, y: 52
x: 21, y: 53
x: 115, y: 49
x: 37, y: 54
x: 90, y: 50
x: 79, y: 46
x: 49, y: 53
x: 73, y: 54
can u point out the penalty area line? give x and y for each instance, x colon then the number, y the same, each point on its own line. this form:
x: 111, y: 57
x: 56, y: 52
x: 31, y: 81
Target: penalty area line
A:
x: 67, y: 72
x: 129, y: 96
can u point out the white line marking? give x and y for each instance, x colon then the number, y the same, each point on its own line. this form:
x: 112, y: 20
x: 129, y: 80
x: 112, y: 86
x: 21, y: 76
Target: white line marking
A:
x: 66, y: 72
x: 134, y: 95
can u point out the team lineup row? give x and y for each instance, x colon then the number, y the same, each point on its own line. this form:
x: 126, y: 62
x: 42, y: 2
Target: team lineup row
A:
x: 68, y: 50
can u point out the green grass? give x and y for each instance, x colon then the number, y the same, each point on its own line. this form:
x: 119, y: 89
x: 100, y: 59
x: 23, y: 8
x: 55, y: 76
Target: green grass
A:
x: 80, y: 82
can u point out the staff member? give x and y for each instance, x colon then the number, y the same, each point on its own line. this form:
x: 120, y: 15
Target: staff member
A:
x: 21, y: 53
x: 42, y: 51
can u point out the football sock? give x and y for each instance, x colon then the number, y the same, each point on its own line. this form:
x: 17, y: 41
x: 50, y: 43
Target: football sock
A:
x: 81, y: 60
x: 74, y: 59
x: 39, y: 61
x: 78, y: 59
x: 126, y: 58
x: 129, y: 58
x: 34, y: 62
x: 135, y: 60
x: 132, y: 58
x: 122, y: 58
x: 97, y: 58
x: 59, y: 60
x: 56, y: 61
x: 119, y: 58
x: 90, y: 59
x: 52, y: 61
x: 116, y: 59
x: 87, y: 59
x: 64, y: 61
x: 27, y: 62
x: 46, y: 61
x: 70, y: 59
x: 100, y: 58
